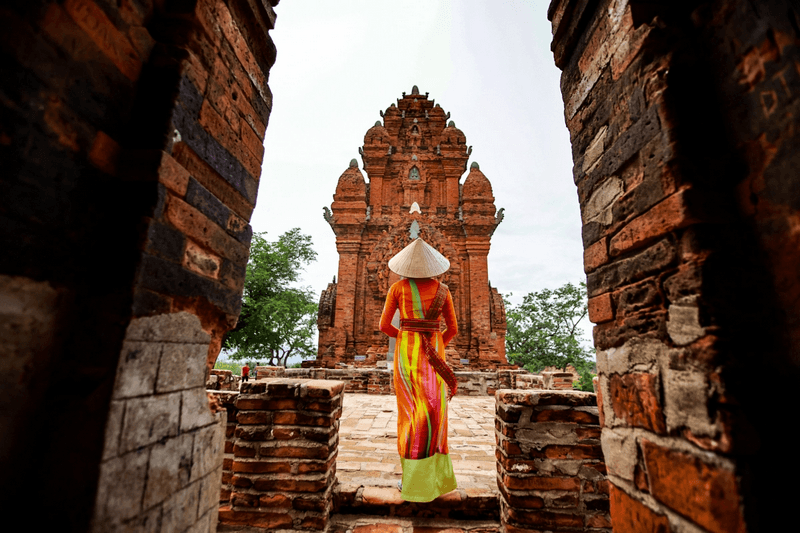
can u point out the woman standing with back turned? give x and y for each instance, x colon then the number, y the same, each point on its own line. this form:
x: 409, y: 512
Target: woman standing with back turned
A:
x: 423, y: 382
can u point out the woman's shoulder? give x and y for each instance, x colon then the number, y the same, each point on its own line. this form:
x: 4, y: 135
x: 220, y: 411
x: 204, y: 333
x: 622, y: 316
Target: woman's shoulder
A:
x: 398, y: 284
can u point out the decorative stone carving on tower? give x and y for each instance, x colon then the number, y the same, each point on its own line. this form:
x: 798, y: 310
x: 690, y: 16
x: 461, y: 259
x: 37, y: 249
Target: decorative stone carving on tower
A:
x: 414, y: 161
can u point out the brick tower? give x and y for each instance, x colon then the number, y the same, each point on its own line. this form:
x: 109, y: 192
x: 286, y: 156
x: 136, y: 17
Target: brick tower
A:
x: 414, y: 161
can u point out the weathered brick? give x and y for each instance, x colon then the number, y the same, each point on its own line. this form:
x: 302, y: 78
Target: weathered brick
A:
x: 630, y: 516
x: 546, y: 519
x: 104, y: 153
x: 317, y: 452
x: 149, y: 419
x: 635, y: 399
x: 198, y: 227
x: 595, y: 255
x: 541, y: 483
x: 707, y: 494
x: 631, y: 269
x: 601, y: 309
x: 290, y: 485
x: 255, y: 518
x: 229, y: 139
x: 578, y: 451
x: 106, y: 36
x: 667, y: 216
x: 563, y: 415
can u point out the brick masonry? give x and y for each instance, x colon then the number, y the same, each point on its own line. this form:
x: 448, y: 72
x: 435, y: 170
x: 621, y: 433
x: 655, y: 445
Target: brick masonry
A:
x: 131, y: 142
x: 413, y: 156
x: 283, y: 468
x: 550, y: 467
x: 379, y: 380
x: 683, y: 120
x: 162, y: 458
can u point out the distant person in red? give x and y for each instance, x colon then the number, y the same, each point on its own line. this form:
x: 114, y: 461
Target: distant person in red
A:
x: 245, y: 373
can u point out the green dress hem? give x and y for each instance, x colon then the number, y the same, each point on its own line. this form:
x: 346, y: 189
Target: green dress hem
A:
x: 424, y: 480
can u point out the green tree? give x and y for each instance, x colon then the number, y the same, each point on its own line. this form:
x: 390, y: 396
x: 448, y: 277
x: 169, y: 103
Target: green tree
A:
x: 543, y: 331
x: 278, y: 318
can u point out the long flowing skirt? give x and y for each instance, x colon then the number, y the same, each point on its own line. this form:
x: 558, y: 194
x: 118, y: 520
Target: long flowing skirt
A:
x: 421, y: 421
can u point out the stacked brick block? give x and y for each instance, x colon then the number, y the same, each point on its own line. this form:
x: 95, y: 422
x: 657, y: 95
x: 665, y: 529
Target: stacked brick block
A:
x: 683, y: 120
x: 227, y: 400
x: 551, y: 472
x: 557, y: 380
x: 284, y: 454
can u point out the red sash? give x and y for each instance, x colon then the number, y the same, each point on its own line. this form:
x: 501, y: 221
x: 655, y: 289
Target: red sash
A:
x: 427, y: 327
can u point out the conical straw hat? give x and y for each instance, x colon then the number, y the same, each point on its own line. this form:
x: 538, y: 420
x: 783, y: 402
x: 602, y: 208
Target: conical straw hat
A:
x: 419, y: 260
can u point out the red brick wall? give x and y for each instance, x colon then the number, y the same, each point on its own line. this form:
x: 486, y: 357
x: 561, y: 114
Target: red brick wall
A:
x: 551, y: 471
x: 379, y: 381
x: 284, y: 454
x: 683, y: 120
x: 131, y: 145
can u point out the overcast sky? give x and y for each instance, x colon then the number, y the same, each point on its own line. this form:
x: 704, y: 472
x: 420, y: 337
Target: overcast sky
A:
x: 487, y: 63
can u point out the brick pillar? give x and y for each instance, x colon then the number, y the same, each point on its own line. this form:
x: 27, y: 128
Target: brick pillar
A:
x: 227, y: 400
x: 345, y: 295
x: 551, y: 471
x: 285, y: 448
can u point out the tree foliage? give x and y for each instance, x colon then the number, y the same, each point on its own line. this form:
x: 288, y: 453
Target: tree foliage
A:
x: 278, y: 317
x: 543, y: 331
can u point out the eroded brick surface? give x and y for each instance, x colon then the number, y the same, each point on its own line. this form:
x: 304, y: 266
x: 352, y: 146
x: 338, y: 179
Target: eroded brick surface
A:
x: 551, y: 470
x: 683, y: 122
x: 280, y: 467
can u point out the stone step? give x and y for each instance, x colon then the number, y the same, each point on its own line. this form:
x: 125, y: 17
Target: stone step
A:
x: 461, y: 504
x: 343, y: 523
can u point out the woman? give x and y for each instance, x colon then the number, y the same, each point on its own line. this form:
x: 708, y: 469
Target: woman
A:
x: 423, y: 382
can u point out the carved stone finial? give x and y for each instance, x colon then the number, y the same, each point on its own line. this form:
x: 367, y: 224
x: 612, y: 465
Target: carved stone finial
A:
x: 353, y: 163
x: 415, y: 90
x: 475, y: 165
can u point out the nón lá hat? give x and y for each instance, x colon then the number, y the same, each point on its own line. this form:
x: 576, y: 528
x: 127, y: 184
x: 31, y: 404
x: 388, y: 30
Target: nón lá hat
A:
x: 419, y: 260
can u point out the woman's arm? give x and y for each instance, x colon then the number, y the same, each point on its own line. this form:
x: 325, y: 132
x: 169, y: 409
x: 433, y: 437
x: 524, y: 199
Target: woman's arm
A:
x: 388, y: 314
x: 449, y: 313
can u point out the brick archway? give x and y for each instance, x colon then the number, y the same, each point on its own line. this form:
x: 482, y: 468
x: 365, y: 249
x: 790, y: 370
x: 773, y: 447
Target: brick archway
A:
x: 683, y: 122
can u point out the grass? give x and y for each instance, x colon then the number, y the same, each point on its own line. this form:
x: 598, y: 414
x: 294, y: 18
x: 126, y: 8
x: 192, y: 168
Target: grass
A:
x: 236, y: 368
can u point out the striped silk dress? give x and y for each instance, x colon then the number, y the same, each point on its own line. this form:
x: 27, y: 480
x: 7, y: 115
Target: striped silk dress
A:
x: 421, y: 392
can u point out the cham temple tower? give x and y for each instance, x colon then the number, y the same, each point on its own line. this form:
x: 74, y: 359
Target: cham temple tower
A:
x: 414, y: 162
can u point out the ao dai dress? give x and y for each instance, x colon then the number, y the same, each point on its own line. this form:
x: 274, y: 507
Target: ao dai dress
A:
x: 421, y: 392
